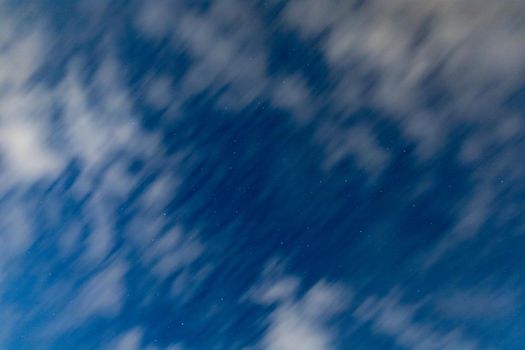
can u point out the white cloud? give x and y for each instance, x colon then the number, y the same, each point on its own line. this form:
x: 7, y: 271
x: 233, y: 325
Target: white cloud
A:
x: 16, y: 234
x: 299, y: 321
x: 276, y: 291
x: 180, y: 257
x: 390, y: 316
x: 470, y: 221
x: 159, y: 92
x: 99, y: 242
x: 302, y: 323
x: 158, y: 195
x: 463, y: 36
x: 188, y: 281
x: 292, y: 94
x: 170, y: 253
x: 103, y: 294
x: 477, y: 303
x: 88, y: 120
x: 105, y: 196
x: 325, y: 300
x: 25, y: 152
x: 94, y: 131
x: 166, y: 249
x: 229, y: 55
x: 133, y: 340
x: 24, y: 136
x: 231, y: 59
x: 470, y: 47
x: 358, y: 142
x: 289, y: 331
x: 155, y: 18
x: 130, y: 340
x: 398, y: 57
x: 21, y: 53
x: 69, y: 238
x: 497, y: 176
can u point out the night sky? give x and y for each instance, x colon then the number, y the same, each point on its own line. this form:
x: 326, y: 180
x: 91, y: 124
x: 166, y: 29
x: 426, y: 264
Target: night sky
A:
x: 262, y: 175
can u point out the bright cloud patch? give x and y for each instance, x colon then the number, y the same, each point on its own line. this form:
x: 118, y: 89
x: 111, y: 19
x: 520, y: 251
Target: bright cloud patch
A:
x: 159, y: 160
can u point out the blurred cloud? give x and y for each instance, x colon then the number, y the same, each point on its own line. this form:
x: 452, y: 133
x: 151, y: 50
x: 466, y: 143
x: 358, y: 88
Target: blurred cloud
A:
x: 477, y: 303
x: 390, y: 316
x: 156, y: 157
x: 300, y: 320
x: 132, y: 340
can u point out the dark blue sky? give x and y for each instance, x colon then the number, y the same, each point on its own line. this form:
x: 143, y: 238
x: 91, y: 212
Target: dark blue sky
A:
x: 274, y: 175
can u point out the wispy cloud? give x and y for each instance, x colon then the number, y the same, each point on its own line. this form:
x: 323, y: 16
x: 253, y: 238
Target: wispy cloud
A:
x: 390, y: 316
x: 70, y: 142
x: 133, y: 340
x: 299, y: 319
x: 154, y: 160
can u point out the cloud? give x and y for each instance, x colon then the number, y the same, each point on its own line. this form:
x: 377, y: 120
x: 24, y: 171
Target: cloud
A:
x: 358, y: 142
x: 236, y: 61
x: 25, y: 151
x: 82, y: 177
x: 293, y: 94
x: 288, y: 330
x: 66, y: 148
x: 406, y: 39
x: 133, y: 340
x: 299, y: 320
x: 391, y: 317
x: 471, y: 218
x: 399, y: 56
x: 17, y: 235
x: 233, y: 64
x: 171, y: 256
x: 302, y: 323
x: 17, y: 232
x: 130, y: 340
x: 276, y: 291
x: 477, y: 303
x: 434, y: 69
x: 103, y: 296
x: 496, y: 179
x: 159, y: 92
x: 22, y: 53
x: 230, y: 58
x: 231, y: 61
x: 95, y: 131
x: 155, y: 19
